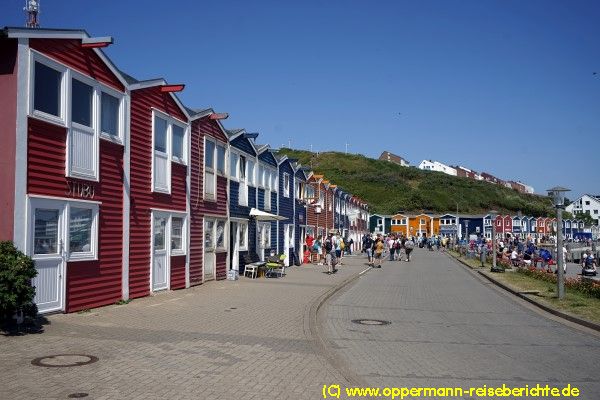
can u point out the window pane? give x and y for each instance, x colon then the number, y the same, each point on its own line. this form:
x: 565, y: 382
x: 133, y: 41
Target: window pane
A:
x: 208, y: 235
x: 80, y: 230
x: 160, y: 134
x: 220, y: 233
x: 178, y: 134
x: 233, y: 159
x: 251, y: 172
x: 176, y: 233
x: 159, y: 233
x: 209, y: 154
x: 243, y: 230
x: 209, y: 184
x: 242, y: 167
x: 81, y: 103
x: 109, y: 115
x: 47, y: 89
x: 45, y: 238
x: 221, y: 159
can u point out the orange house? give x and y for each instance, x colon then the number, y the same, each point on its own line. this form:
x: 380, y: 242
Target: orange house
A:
x: 420, y: 225
x: 400, y: 224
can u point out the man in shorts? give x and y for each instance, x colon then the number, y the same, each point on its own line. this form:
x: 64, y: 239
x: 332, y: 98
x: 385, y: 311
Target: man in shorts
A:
x: 378, y: 247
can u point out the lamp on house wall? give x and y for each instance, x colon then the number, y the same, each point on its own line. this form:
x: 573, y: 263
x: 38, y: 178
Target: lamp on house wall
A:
x: 558, y: 198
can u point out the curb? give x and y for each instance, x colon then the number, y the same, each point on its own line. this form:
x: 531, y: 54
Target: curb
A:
x: 568, y: 317
x: 313, y: 332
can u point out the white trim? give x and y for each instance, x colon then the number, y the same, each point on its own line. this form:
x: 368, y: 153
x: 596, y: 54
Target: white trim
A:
x: 20, y: 188
x: 126, y: 201
x: 62, y: 117
x: 91, y: 255
x: 41, y: 196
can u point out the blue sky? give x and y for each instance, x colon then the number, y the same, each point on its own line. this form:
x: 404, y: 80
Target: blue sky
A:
x: 505, y: 86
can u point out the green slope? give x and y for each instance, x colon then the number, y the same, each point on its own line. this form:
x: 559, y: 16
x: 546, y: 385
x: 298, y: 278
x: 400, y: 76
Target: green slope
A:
x: 390, y: 188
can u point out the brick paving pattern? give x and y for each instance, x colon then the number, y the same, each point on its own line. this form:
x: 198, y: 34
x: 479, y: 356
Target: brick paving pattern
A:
x: 451, y: 329
x: 223, y: 340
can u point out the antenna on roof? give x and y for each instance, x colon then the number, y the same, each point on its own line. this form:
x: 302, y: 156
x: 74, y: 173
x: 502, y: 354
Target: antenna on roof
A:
x: 33, y: 9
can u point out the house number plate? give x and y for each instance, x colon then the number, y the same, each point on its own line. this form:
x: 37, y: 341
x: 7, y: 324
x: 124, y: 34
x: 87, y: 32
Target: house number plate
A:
x: 80, y: 190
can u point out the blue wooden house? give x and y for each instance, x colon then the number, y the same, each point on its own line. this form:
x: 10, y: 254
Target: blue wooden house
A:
x: 470, y: 225
x: 286, y: 227
x: 242, y: 196
x: 517, y: 228
x: 487, y: 226
x: 300, y: 205
x: 379, y: 223
x: 267, y: 182
x: 448, y: 225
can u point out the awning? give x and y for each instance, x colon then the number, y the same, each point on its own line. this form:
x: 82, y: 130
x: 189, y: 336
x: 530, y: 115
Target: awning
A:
x: 265, y: 216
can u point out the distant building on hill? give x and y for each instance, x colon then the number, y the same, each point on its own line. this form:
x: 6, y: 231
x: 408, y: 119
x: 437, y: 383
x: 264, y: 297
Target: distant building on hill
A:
x: 465, y: 172
x: 429, y: 165
x: 586, y: 204
x: 491, y: 178
x: 520, y: 187
x: 387, y: 156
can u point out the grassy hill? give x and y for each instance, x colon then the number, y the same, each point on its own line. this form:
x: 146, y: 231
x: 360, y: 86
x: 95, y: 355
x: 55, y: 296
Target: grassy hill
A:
x: 390, y: 188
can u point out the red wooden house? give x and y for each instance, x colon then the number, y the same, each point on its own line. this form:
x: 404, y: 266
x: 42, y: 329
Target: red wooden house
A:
x: 63, y: 116
x: 159, y: 159
x: 208, y: 197
x: 507, y: 225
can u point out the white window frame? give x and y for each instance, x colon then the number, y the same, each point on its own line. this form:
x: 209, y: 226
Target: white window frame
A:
x: 286, y: 185
x: 62, y: 118
x: 244, y: 223
x: 65, y: 104
x: 213, y: 168
x: 91, y: 255
x: 215, y: 221
x: 251, y: 177
x: 234, y: 170
x: 184, y: 242
x: 169, y: 151
x: 263, y: 227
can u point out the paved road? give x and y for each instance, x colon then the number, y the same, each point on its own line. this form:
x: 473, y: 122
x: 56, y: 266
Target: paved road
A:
x: 223, y: 340
x: 449, y: 328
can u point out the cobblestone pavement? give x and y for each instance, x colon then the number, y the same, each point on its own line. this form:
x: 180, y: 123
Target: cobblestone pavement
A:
x: 246, y: 339
x: 449, y: 328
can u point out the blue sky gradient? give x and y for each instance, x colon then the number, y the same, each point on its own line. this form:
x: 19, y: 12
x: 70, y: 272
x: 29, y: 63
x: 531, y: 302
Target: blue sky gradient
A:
x: 505, y: 87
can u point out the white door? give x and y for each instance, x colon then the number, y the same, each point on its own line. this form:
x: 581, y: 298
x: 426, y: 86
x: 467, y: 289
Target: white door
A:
x: 235, y: 254
x: 300, y: 246
x: 286, y: 244
x: 210, y: 259
x: 47, y: 235
x: 261, y: 238
x: 160, y: 251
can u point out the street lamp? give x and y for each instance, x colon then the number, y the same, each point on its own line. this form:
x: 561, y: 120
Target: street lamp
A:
x: 558, y: 197
x: 493, y: 215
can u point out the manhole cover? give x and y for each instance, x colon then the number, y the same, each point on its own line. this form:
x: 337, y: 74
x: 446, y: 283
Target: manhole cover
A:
x: 371, y: 322
x: 77, y: 395
x: 64, y: 360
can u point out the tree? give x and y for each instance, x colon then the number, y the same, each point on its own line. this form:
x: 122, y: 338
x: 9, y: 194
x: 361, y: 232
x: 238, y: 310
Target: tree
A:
x: 16, y: 272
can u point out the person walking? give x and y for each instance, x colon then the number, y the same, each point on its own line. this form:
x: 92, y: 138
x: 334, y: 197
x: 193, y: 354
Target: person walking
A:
x: 368, y: 246
x: 379, y: 248
x: 392, y: 247
x: 409, y: 245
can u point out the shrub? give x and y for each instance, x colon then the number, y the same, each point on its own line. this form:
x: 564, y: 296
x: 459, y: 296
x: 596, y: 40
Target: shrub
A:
x: 16, y: 272
x: 587, y: 286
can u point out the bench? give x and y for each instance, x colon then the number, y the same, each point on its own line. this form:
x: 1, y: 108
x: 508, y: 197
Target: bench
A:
x: 251, y: 264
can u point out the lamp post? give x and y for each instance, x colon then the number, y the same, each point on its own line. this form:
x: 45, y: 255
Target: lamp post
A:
x: 558, y: 197
x: 493, y: 215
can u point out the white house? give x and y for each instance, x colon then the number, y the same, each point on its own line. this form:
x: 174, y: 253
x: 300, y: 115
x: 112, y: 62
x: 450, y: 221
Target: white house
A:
x: 429, y: 165
x: 586, y: 204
